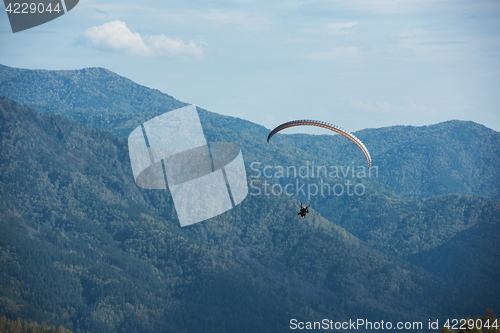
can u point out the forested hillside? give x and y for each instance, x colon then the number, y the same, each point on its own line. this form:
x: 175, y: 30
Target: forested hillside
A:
x: 84, y: 247
x: 419, y: 162
x: 416, y: 162
x: 21, y: 326
x: 81, y: 245
x: 470, y: 258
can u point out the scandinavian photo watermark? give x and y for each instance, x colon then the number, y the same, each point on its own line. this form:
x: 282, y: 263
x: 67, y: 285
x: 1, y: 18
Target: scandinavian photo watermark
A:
x: 358, y: 324
x: 309, y: 180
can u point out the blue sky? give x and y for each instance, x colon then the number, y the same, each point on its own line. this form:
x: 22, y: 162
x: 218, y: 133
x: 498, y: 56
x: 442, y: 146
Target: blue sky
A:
x: 357, y: 64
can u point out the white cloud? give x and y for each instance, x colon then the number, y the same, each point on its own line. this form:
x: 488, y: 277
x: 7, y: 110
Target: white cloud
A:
x: 247, y: 20
x: 333, y: 28
x: 385, y: 6
x: 492, y: 73
x: 340, y: 26
x: 411, y: 33
x: 434, y: 45
x: 386, y: 108
x: 437, y: 49
x: 116, y: 36
x: 161, y: 45
x: 335, y: 53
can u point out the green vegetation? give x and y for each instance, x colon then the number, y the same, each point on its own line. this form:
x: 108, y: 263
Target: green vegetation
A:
x: 415, y: 162
x: 470, y: 258
x: 21, y: 326
x: 81, y: 245
x: 406, y: 227
x: 84, y: 247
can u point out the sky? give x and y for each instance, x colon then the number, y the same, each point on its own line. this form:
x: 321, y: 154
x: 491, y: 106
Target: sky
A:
x: 354, y: 63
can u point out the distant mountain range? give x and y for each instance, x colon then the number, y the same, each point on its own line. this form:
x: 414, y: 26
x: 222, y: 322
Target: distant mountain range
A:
x: 81, y: 245
x: 417, y: 162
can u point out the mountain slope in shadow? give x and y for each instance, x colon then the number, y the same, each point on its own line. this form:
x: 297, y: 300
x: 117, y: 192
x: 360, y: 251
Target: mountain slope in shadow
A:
x: 83, y: 246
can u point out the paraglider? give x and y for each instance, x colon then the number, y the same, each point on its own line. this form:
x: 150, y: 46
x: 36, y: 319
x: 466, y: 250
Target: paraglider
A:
x: 326, y: 125
x: 303, y: 210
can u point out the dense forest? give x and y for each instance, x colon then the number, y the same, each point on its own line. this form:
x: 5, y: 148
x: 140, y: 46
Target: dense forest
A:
x: 82, y: 246
x: 22, y: 326
x: 416, y: 162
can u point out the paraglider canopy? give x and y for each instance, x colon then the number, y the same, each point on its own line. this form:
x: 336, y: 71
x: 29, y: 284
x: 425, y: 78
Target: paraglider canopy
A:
x: 323, y: 124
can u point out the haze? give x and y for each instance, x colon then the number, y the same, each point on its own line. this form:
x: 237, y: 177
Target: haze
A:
x: 357, y: 64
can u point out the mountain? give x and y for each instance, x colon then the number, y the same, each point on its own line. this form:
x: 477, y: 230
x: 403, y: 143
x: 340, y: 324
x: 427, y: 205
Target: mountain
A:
x: 405, y: 227
x: 21, y: 326
x: 446, y: 159
x: 83, y: 246
x: 415, y: 162
x: 476, y: 250
x: 421, y: 162
x: 97, y: 97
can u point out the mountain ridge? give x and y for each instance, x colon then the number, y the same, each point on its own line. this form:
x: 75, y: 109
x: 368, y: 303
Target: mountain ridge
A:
x: 80, y: 198
x: 100, y: 236
x: 447, y: 161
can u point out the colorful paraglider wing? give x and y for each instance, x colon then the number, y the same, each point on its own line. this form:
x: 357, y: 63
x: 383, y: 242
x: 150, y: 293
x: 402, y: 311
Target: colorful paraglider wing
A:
x: 323, y: 124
